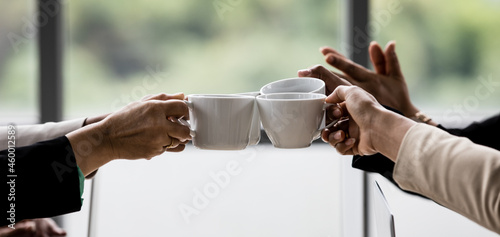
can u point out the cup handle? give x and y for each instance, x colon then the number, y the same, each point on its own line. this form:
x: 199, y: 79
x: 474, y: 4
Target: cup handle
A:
x: 333, y: 123
x: 182, y: 121
x: 189, y: 104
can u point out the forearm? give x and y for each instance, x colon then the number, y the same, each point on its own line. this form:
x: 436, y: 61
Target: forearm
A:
x: 452, y: 171
x: 30, y: 134
x: 91, y: 147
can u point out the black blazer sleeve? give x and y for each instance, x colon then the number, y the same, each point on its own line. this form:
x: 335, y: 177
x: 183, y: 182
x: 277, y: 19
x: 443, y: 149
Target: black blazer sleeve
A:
x: 483, y: 133
x: 46, y: 181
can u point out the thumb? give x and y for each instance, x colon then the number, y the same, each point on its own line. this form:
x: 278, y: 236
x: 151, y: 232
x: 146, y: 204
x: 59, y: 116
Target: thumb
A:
x: 338, y: 95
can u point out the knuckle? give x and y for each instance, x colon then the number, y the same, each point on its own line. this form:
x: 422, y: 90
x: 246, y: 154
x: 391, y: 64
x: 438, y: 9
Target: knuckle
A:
x: 151, y: 107
x: 162, y: 96
x: 318, y: 67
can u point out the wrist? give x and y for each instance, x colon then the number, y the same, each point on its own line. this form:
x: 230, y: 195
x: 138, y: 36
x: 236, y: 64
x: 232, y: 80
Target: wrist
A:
x: 410, y: 111
x: 388, y: 132
x: 91, y: 147
x: 91, y: 120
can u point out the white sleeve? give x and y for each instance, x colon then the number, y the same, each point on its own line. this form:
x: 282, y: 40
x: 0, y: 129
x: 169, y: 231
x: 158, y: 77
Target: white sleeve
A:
x: 453, y: 171
x: 29, y: 134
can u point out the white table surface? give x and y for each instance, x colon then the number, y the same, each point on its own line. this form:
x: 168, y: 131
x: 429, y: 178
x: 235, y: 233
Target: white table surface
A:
x: 274, y: 192
x: 416, y: 217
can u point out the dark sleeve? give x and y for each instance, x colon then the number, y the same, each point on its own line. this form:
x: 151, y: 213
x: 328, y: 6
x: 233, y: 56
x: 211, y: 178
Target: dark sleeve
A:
x: 483, y: 133
x: 43, y: 181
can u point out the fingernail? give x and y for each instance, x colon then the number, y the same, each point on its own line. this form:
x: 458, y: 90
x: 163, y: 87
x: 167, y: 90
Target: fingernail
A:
x: 330, y: 59
x: 337, y: 136
x: 350, y: 141
x: 337, y: 113
x: 305, y: 72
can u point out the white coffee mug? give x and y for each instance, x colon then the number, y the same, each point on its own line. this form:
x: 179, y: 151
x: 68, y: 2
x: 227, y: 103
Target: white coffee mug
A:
x: 292, y: 120
x: 296, y: 84
x: 221, y: 122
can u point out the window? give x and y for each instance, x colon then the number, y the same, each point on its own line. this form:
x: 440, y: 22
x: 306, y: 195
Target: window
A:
x: 448, y: 53
x: 118, y: 52
x: 18, y: 62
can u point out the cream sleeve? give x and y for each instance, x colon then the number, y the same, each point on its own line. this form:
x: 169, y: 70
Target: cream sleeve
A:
x: 452, y: 171
x: 29, y: 134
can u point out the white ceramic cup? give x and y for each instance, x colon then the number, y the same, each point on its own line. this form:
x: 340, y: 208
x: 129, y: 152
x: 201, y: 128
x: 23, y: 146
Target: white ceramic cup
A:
x: 292, y: 120
x: 296, y: 84
x: 221, y: 122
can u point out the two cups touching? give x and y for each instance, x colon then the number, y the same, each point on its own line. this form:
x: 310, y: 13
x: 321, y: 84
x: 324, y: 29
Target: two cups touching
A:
x: 291, y: 110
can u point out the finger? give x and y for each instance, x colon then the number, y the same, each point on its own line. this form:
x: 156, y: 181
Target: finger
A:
x: 377, y: 57
x: 393, y: 67
x: 337, y: 111
x: 179, y: 148
x: 178, y: 131
x: 328, y: 50
x: 342, y: 76
x: 54, y: 229
x: 163, y: 96
x: 318, y: 71
x: 58, y: 232
x: 336, y: 137
x: 326, y: 133
x: 343, y: 125
x: 346, y: 148
x: 348, y: 67
x: 174, y: 108
x: 173, y: 143
x: 304, y: 73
